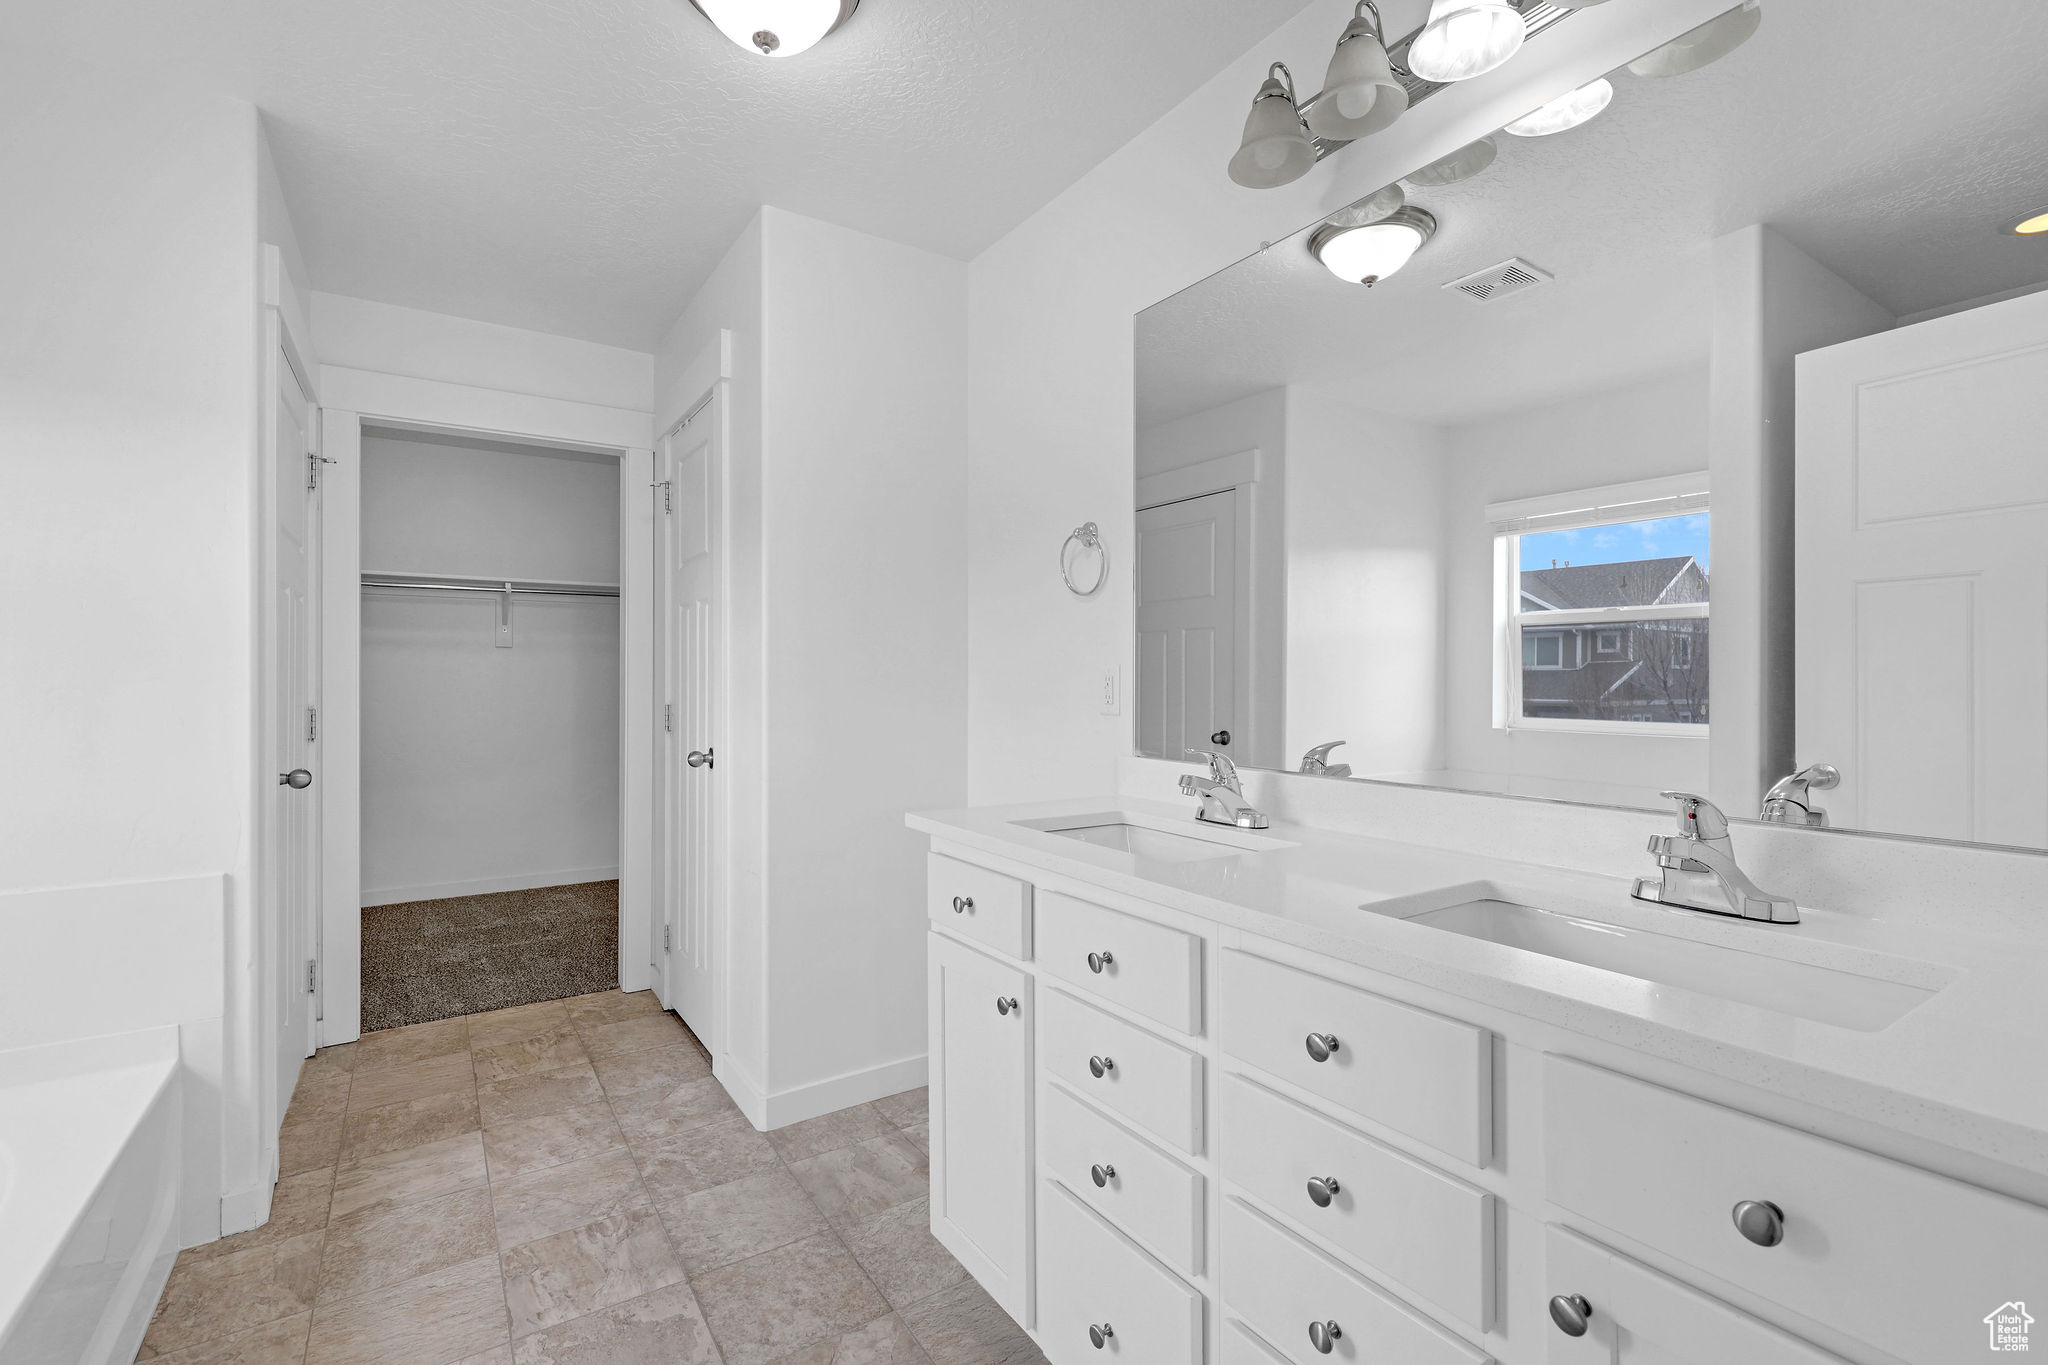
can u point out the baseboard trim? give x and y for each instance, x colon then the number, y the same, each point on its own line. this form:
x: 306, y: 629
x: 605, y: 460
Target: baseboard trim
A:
x: 243, y: 1209
x: 745, y: 1090
x: 484, y: 886
x: 840, y: 1092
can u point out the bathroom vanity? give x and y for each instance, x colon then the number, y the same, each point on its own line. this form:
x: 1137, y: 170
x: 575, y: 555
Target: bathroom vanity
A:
x: 1202, y: 1094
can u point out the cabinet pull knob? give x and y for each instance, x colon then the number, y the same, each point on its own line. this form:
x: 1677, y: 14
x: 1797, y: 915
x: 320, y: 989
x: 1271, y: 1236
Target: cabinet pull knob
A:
x: 962, y: 904
x: 1099, y: 1333
x: 1760, y: 1221
x: 1101, y: 1066
x: 1006, y: 1003
x: 1322, y: 1046
x: 1570, y: 1312
x: 1324, y: 1336
x: 1322, y: 1189
x: 1102, y: 1175
x: 1098, y: 961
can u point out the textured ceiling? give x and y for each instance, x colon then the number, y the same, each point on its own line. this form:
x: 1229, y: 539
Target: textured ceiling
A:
x: 578, y: 166
x: 1887, y: 146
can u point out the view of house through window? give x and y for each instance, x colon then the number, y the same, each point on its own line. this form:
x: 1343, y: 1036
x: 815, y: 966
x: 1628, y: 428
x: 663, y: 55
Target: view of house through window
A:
x: 1612, y: 621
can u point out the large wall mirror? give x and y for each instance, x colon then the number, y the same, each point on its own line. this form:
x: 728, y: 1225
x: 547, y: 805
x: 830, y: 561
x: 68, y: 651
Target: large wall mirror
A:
x: 1698, y: 445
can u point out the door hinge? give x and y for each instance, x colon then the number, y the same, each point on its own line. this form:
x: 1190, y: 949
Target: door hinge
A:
x: 312, y: 724
x: 312, y: 975
x: 667, y: 939
x: 668, y: 717
x: 668, y: 497
x: 313, y: 463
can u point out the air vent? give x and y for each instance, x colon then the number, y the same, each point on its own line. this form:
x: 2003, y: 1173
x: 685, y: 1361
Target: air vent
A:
x: 1497, y: 282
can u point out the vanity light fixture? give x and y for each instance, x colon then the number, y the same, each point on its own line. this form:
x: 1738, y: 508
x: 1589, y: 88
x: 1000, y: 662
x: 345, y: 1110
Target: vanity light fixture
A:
x: 2033, y: 224
x: 1708, y: 43
x: 1360, y: 94
x: 776, y: 28
x: 1466, y: 38
x: 1366, y: 255
x: 1468, y: 161
x: 1276, y: 150
x: 1565, y: 112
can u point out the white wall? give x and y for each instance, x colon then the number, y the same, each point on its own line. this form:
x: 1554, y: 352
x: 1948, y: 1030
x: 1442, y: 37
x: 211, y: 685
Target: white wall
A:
x: 487, y: 769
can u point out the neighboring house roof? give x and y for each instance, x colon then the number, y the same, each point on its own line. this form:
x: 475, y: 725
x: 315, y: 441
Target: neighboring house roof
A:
x: 1634, y: 583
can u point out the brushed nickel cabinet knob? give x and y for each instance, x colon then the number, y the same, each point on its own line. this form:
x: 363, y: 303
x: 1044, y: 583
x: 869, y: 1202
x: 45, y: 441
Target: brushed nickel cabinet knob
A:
x: 1098, y: 961
x: 1006, y: 1003
x: 1324, y: 1336
x: 1101, y: 1066
x: 1322, y: 1189
x: 1102, y: 1175
x: 1322, y: 1046
x: 1100, y: 1333
x: 1761, y: 1221
x: 1570, y: 1312
x: 298, y: 779
x: 962, y: 904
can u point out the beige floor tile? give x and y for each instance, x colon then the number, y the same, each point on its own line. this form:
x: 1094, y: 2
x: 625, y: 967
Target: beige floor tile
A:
x: 414, y: 1123
x: 398, y: 1082
x: 900, y: 1255
x: 856, y: 1182
x: 657, y: 1068
x: 552, y: 1139
x: 662, y: 1328
x: 413, y: 1043
x: 499, y: 1027
x: 633, y: 1034
x: 704, y: 1157
x: 557, y: 1198
x: 338, y: 1060
x: 274, y: 1343
x: 885, y: 1341
x: 308, y: 1145
x: 447, y: 1316
x: 569, y: 1274
x: 912, y: 1106
x: 298, y: 1205
x: 497, y: 1355
x: 208, y: 1300
x: 319, y: 1097
x: 411, y: 1174
x: 964, y: 1326
x: 547, y: 1092
x: 921, y: 1134
x: 784, y: 1300
x: 653, y: 1115
x: 389, y: 1244
x: 550, y: 1050
x: 830, y: 1132
x: 609, y: 1007
x: 742, y: 1218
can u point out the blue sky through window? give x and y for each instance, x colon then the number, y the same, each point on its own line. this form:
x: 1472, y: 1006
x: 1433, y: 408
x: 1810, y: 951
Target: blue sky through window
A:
x: 1629, y: 540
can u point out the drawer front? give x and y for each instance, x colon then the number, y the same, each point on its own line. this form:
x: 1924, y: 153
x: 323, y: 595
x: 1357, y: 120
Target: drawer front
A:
x: 1418, y: 1073
x: 1146, y: 1079
x: 1241, y: 1346
x: 1147, y: 968
x: 1891, y: 1254
x: 1144, y: 1191
x: 1282, y: 1287
x: 1090, y: 1276
x: 979, y: 904
x: 1413, y: 1226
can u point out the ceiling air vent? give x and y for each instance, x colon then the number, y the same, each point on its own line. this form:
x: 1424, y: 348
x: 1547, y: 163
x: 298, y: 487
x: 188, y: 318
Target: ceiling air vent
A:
x: 1499, y: 281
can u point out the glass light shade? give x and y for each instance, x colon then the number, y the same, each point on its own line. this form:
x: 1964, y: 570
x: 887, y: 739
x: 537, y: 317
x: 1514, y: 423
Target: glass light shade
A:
x: 1468, y: 161
x: 1564, y: 112
x: 2033, y: 225
x: 1367, y: 255
x: 775, y: 28
x: 1710, y: 42
x: 1276, y: 150
x: 1465, y: 38
x: 1360, y: 94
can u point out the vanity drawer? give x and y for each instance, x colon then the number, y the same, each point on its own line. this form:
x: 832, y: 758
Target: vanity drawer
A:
x: 1894, y: 1255
x: 1418, y: 1073
x: 1281, y: 1286
x: 1147, y: 968
x: 1090, y: 1276
x: 1148, y: 1080
x: 1241, y: 1346
x: 1147, y: 1193
x: 979, y: 904
x: 1420, y: 1229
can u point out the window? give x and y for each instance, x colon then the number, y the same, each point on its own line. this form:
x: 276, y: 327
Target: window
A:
x: 1604, y: 598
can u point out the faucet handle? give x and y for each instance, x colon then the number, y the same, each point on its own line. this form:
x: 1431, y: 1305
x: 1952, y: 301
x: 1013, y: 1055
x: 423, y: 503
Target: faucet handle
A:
x: 1319, y: 757
x: 1698, y: 818
x: 1221, y: 769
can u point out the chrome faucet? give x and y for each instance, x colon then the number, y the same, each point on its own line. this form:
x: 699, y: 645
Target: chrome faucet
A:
x: 1222, y: 800
x: 1316, y: 761
x: 1788, y: 802
x: 1699, y: 869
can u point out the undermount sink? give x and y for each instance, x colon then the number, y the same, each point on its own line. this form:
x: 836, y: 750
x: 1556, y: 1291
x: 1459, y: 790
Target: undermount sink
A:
x: 1155, y: 845
x: 1823, y: 994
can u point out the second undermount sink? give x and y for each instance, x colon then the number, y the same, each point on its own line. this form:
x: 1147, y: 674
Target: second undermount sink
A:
x: 1117, y: 831
x: 1823, y: 994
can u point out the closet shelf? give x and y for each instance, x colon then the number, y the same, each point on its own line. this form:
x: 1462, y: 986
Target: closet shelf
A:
x: 463, y: 583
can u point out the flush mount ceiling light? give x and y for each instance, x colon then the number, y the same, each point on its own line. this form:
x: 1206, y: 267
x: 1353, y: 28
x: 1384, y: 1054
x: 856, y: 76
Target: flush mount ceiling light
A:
x: 776, y: 28
x: 1366, y: 255
x: 2033, y: 224
x: 1565, y: 112
x: 1708, y: 43
x: 1468, y: 161
x: 1360, y: 94
x: 1276, y: 150
x: 1465, y: 38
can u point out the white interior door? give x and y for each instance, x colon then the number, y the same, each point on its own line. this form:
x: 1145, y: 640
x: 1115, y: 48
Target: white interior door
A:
x: 1187, y: 627
x: 689, y: 650
x: 295, y: 823
x: 1922, y: 569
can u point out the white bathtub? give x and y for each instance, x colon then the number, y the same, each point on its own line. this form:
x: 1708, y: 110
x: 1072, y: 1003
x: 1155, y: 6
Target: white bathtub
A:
x: 89, y: 1164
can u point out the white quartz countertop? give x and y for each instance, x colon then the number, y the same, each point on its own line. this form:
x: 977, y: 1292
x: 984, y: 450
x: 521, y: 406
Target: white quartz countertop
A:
x: 1967, y: 1068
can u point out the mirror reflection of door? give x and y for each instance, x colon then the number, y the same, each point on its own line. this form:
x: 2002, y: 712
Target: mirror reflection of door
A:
x: 1187, y: 625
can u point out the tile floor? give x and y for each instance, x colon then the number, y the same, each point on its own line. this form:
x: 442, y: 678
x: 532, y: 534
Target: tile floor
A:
x: 566, y: 1184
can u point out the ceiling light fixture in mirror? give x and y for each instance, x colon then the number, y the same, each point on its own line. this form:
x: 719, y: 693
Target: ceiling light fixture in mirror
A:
x: 776, y: 28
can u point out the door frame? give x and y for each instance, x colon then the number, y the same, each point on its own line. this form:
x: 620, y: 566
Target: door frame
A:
x: 360, y: 398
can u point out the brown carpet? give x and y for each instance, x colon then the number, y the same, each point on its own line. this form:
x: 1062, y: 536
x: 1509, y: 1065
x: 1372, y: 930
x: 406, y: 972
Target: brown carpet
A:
x: 436, y: 959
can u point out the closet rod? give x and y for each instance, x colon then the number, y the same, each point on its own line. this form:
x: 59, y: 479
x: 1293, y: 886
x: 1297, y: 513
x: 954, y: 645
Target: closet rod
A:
x: 538, y: 587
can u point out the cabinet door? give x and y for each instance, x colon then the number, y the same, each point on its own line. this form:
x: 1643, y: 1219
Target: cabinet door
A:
x: 1634, y: 1316
x: 981, y: 1118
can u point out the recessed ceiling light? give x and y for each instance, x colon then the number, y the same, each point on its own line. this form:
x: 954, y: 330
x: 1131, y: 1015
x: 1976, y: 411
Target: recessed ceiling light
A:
x: 1468, y: 161
x: 776, y: 28
x: 1366, y: 255
x: 1565, y: 112
x: 2033, y: 224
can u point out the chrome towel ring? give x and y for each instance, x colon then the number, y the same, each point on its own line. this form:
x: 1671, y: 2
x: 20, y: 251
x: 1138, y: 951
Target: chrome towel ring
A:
x: 1090, y: 541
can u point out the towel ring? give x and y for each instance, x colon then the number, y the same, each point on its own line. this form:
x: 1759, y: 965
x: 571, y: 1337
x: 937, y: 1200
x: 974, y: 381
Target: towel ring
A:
x: 1089, y: 539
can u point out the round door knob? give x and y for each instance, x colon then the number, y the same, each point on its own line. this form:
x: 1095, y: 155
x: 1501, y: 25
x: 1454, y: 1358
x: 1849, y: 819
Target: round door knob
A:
x: 1220, y: 737
x: 1097, y: 961
x: 1760, y: 1221
x: 1322, y: 1189
x: 699, y: 758
x: 298, y: 779
x: 1102, y: 1175
x: 1324, y: 1336
x: 1322, y: 1046
x: 1101, y: 1066
x: 1570, y: 1312
x: 1006, y: 1003
x: 1099, y: 1333
x: 962, y: 904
